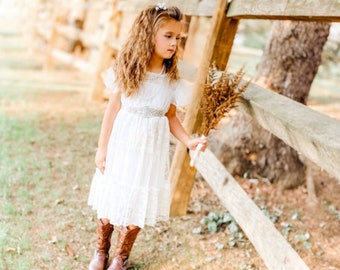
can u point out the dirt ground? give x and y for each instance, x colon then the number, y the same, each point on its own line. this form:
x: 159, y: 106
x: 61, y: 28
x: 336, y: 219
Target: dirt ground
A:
x: 61, y: 227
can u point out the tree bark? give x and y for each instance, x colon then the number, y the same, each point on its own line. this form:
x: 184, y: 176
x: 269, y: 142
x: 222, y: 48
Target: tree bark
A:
x: 291, y: 58
x: 288, y: 66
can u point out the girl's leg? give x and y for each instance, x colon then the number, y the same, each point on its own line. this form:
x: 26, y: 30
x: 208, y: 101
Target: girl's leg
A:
x: 101, y: 254
x: 126, y: 238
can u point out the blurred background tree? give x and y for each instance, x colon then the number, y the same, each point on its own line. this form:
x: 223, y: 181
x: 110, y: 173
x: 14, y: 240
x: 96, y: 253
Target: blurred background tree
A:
x: 288, y: 66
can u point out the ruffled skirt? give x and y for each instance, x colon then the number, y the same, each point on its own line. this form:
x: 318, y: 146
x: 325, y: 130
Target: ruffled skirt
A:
x: 135, y: 187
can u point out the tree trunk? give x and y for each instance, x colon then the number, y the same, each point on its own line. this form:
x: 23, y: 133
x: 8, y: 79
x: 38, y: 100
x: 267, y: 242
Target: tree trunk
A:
x: 291, y: 58
x: 289, y: 64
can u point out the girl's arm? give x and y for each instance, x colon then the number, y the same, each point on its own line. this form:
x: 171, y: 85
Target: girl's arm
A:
x: 110, y: 114
x: 178, y: 131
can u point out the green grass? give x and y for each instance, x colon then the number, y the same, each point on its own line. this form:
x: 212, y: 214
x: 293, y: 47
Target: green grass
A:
x: 46, y: 166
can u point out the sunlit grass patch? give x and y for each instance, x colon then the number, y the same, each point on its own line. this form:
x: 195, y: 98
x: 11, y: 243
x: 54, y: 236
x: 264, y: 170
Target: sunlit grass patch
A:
x: 47, y: 150
x: 17, y: 160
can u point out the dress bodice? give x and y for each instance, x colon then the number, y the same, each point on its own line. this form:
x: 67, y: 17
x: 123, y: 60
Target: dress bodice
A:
x: 155, y: 92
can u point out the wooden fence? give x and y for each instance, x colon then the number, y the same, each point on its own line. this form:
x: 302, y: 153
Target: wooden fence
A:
x: 295, y: 125
x: 66, y: 27
x: 321, y: 145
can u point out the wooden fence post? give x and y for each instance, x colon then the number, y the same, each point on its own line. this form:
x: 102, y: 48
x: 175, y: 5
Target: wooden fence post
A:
x: 217, y: 49
x: 105, y: 52
x: 49, y: 61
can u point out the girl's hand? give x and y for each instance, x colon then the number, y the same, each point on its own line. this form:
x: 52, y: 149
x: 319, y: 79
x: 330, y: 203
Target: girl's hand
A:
x: 193, y: 142
x: 100, y: 160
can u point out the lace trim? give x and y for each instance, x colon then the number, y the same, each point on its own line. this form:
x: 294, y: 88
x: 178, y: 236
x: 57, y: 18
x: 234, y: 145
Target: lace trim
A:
x: 129, y: 204
x: 155, y: 76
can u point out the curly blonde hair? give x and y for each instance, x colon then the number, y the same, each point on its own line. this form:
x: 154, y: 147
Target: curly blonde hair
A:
x: 135, y: 56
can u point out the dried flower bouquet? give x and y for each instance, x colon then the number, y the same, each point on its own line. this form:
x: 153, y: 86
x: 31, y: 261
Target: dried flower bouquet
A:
x: 221, y: 93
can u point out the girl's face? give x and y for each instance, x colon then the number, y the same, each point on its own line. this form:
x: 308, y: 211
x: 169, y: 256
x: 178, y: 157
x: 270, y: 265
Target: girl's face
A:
x: 166, y: 39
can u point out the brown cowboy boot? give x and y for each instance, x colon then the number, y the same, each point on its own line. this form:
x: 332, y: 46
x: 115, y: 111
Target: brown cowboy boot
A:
x: 126, y: 238
x: 101, y: 254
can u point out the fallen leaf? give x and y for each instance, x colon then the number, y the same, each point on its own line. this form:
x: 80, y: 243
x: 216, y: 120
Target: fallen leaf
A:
x: 69, y: 250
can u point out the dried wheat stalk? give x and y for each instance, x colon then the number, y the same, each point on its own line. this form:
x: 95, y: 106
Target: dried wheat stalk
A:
x: 220, y: 94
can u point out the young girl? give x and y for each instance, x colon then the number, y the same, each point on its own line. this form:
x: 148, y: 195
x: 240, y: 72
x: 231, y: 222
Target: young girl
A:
x: 131, y: 186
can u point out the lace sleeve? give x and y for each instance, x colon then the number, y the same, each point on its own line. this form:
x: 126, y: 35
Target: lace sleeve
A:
x: 109, y: 81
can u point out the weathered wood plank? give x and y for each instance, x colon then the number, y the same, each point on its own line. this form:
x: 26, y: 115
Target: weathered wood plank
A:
x: 188, y: 7
x: 314, y: 135
x: 224, y: 43
x: 73, y: 33
x: 309, y: 10
x: 72, y: 61
x: 187, y: 71
x: 105, y: 51
x: 276, y: 253
x: 68, y: 31
x: 49, y: 62
x: 182, y: 177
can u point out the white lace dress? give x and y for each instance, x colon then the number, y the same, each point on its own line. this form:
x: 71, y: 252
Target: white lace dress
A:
x: 135, y: 187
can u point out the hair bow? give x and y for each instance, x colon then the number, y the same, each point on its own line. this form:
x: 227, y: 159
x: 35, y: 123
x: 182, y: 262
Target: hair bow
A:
x: 160, y: 6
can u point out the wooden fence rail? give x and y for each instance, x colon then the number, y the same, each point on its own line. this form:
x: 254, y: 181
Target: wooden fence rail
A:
x: 269, y: 243
x: 295, y: 124
x: 313, y: 134
x: 307, y: 10
x: 89, y: 35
